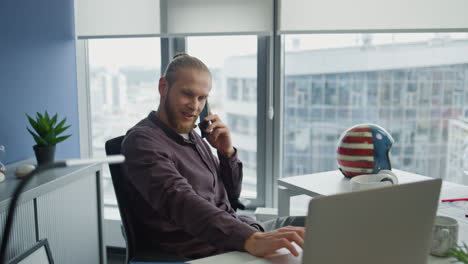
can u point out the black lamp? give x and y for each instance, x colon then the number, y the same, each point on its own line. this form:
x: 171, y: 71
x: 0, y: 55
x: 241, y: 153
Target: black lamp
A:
x: 59, y: 164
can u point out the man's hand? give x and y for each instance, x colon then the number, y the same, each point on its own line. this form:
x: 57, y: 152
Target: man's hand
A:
x: 263, y: 244
x: 219, y: 137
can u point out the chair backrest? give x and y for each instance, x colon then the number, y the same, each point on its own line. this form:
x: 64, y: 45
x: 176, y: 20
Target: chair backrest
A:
x: 123, y: 189
x: 113, y: 147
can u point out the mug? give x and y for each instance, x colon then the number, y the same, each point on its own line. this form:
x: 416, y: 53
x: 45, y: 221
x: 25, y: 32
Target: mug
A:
x: 444, y: 235
x: 371, y: 181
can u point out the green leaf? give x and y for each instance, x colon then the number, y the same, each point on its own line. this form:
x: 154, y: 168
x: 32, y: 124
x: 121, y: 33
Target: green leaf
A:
x: 54, y: 120
x: 36, y: 126
x: 33, y: 123
x: 31, y: 120
x: 460, y: 253
x: 59, y: 126
x: 43, y: 127
x: 60, y: 130
x: 50, y: 137
x: 38, y: 139
x: 60, y: 139
x: 45, y: 130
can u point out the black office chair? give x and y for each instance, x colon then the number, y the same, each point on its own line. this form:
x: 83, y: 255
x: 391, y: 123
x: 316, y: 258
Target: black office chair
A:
x: 135, y: 252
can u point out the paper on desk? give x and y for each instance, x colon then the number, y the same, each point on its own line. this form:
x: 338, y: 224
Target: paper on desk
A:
x: 457, y: 209
x: 453, y: 191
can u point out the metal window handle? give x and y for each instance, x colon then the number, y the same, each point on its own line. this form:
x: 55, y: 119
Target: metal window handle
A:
x: 271, y: 113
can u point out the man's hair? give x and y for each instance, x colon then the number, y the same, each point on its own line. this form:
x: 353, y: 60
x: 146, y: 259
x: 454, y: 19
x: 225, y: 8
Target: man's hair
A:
x: 183, y: 61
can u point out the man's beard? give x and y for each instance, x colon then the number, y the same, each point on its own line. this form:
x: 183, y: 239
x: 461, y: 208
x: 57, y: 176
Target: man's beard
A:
x: 178, y: 126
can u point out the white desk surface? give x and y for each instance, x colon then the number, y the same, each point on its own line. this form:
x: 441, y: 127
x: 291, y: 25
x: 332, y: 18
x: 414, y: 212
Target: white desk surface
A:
x: 281, y: 258
x: 325, y: 184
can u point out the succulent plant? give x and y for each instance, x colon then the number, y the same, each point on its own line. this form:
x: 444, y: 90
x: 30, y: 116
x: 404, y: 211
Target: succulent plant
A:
x: 460, y: 253
x: 47, y: 133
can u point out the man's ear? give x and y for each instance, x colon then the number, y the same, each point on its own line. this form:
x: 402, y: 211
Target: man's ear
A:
x: 163, y: 86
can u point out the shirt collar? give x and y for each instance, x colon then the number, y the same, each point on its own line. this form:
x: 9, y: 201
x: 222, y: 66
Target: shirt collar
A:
x: 169, y: 131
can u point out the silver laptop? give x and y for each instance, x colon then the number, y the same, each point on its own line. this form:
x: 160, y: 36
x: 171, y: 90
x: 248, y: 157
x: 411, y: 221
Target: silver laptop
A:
x: 386, y: 225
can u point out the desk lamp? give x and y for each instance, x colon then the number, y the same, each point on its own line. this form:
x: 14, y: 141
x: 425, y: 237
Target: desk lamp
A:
x: 59, y: 164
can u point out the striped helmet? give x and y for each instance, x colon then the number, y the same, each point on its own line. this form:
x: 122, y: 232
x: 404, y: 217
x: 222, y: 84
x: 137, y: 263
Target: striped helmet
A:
x: 364, y: 149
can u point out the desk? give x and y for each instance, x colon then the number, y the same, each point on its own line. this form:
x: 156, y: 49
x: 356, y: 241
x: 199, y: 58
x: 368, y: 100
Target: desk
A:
x: 63, y: 205
x: 333, y: 182
x: 324, y: 183
x: 281, y: 258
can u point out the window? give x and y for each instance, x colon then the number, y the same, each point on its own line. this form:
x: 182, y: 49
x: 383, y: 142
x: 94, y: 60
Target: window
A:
x: 240, y: 124
x: 123, y: 77
x: 249, y: 90
x: 233, y: 63
x: 412, y: 84
x: 233, y: 89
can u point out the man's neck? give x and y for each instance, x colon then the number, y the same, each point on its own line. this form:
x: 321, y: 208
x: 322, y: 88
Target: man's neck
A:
x: 161, y: 115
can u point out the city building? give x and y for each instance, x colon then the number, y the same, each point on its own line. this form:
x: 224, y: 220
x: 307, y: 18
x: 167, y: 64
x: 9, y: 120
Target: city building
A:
x: 457, y: 154
x: 410, y: 89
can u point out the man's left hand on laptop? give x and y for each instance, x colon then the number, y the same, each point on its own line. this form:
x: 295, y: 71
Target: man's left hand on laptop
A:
x: 263, y: 244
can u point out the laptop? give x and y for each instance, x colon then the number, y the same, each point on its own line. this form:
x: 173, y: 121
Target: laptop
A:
x: 387, y: 225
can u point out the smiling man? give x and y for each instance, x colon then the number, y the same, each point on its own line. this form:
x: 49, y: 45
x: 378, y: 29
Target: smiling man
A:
x: 180, y: 191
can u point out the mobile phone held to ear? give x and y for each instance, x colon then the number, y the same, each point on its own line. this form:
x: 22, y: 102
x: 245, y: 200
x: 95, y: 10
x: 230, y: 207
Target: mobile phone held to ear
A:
x: 203, y: 123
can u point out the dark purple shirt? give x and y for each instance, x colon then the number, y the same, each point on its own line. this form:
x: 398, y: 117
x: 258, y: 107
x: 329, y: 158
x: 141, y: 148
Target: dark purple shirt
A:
x: 184, y: 190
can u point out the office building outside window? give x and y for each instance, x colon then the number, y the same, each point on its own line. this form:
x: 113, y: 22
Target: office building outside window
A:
x: 413, y: 85
x: 233, y: 63
x: 233, y: 89
x: 123, y: 79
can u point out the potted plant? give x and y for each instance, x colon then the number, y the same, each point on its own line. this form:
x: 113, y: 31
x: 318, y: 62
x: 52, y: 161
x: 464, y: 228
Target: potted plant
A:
x: 46, y: 134
x: 460, y: 253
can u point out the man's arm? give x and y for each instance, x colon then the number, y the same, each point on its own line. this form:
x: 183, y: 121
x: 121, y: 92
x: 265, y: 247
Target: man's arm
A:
x: 155, y: 176
x: 259, y: 243
x: 231, y: 174
x: 230, y: 165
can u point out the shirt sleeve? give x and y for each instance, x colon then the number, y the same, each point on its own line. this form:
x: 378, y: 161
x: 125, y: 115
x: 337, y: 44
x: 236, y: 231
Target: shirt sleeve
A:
x: 155, y: 176
x: 231, y: 175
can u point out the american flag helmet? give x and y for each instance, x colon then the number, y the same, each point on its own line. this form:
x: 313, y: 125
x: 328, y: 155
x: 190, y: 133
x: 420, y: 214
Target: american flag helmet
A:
x: 364, y: 149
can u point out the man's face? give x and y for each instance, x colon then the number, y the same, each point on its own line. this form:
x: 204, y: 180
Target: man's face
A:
x: 186, y: 98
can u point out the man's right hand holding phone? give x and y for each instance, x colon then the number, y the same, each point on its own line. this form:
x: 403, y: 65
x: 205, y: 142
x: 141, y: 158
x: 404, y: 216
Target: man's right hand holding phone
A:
x: 219, y: 135
x: 203, y: 122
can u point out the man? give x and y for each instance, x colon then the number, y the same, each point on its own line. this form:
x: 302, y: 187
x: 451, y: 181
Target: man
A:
x: 182, y: 190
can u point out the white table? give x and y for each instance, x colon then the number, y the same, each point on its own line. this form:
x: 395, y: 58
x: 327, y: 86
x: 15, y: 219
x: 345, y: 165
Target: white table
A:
x: 324, y: 183
x: 333, y: 182
x: 281, y: 258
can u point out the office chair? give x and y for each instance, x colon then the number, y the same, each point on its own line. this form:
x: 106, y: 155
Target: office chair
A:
x: 122, y: 188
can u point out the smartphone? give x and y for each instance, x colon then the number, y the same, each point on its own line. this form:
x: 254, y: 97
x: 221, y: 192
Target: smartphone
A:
x: 203, y: 123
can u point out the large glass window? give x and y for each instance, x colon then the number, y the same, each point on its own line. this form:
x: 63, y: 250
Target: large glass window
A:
x: 123, y: 78
x: 415, y: 85
x: 233, y: 63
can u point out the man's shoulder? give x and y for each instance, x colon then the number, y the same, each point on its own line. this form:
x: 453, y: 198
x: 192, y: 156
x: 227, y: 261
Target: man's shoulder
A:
x: 144, y: 132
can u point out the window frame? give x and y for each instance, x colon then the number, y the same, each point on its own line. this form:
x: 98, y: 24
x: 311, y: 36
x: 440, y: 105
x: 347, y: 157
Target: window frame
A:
x: 270, y: 97
x: 169, y: 47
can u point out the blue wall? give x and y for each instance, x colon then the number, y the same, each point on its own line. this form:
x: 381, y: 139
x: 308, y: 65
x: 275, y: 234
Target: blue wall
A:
x: 37, y: 72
